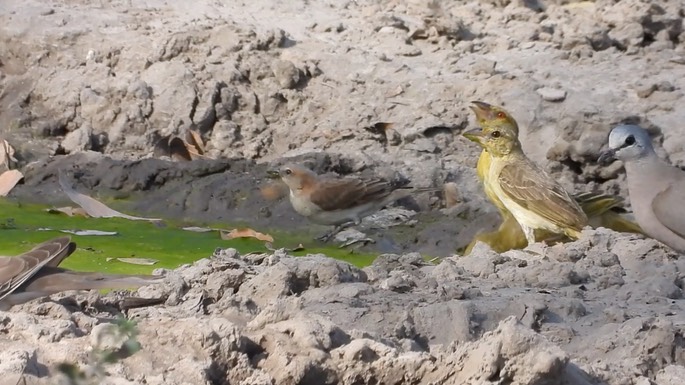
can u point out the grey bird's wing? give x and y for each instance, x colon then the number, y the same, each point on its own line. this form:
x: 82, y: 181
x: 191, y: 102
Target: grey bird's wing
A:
x: 529, y: 186
x: 667, y: 205
x: 340, y: 194
x: 15, y: 271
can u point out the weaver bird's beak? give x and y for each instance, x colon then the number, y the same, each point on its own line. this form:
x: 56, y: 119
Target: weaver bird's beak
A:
x: 273, y: 174
x: 607, y: 157
x: 476, y: 135
x: 482, y: 110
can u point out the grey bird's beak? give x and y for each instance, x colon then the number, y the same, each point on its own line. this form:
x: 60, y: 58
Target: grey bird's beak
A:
x: 607, y: 157
x: 273, y: 174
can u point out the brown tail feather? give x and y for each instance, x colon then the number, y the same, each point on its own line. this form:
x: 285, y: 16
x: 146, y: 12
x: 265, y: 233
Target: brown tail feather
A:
x: 55, y: 280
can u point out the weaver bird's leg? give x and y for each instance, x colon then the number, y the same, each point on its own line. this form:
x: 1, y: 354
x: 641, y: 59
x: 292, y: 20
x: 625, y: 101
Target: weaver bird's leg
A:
x: 530, y: 234
x: 327, y: 237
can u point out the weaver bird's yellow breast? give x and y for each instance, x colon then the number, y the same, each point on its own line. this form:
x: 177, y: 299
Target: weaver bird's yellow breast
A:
x: 483, y: 170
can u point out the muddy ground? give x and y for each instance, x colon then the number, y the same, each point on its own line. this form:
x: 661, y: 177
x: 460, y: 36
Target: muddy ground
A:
x: 89, y: 88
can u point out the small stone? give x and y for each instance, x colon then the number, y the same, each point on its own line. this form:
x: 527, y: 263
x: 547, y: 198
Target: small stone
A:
x: 81, y: 139
x: 678, y: 59
x: 411, y: 52
x: 665, y: 86
x: 483, y: 66
x: 628, y: 35
x: 645, y: 91
x: 452, y: 196
x: 552, y: 94
x: 286, y: 73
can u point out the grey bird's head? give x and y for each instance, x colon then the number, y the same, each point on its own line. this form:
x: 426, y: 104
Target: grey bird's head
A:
x: 627, y: 142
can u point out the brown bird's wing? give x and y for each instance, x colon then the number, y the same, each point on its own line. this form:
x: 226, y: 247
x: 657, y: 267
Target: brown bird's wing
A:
x: 340, y: 194
x: 529, y: 186
x: 15, y: 271
x: 667, y: 206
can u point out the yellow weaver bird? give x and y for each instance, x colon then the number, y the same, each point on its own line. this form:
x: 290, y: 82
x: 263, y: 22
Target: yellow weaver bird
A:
x: 602, y: 210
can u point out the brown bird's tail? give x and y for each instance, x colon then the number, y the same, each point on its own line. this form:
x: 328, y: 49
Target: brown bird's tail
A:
x: 406, y: 191
x: 55, y: 280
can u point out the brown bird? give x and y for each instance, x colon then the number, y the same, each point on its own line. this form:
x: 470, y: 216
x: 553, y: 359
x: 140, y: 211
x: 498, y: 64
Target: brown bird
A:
x: 36, y: 273
x: 341, y: 202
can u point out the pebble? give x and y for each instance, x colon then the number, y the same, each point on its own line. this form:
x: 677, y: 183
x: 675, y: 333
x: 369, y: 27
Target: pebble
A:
x: 552, y: 94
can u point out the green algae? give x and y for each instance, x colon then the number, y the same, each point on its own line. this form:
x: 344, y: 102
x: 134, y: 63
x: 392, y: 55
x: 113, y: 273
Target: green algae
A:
x: 22, y: 226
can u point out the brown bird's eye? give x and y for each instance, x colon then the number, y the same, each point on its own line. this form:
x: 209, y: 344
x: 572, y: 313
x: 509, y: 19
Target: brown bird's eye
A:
x: 496, y: 134
x: 501, y: 115
x: 288, y: 171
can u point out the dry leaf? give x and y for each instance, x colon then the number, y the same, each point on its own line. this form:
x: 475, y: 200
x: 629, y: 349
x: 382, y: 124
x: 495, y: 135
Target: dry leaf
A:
x: 161, y: 147
x: 273, y: 191
x: 196, y: 229
x: 68, y: 210
x: 138, y: 261
x: 6, y: 154
x: 173, y: 147
x: 181, y: 150
x: 271, y: 247
x: 93, y: 207
x: 194, y: 141
x: 8, y: 180
x: 195, y: 155
x: 246, y: 233
x: 89, y: 232
x: 178, y: 149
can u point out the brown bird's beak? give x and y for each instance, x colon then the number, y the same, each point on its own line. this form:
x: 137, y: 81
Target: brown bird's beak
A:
x: 482, y: 110
x: 273, y: 174
x: 476, y: 135
x: 607, y: 157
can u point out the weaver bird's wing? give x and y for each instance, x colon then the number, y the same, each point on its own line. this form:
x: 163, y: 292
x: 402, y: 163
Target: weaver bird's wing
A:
x: 531, y: 188
x: 594, y: 203
x: 15, y: 271
x: 340, y: 194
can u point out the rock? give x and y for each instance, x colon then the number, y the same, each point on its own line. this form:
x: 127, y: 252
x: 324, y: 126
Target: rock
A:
x: 80, y: 139
x: 287, y: 75
x: 314, y: 319
x: 628, y: 35
x: 671, y: 375
x: 551, y: 94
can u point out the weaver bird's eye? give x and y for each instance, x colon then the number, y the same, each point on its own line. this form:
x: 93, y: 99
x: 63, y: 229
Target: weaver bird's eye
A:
x: 288, y: 171
x: 496, y: 134
x: 501, y: 115
x: 630, y: 140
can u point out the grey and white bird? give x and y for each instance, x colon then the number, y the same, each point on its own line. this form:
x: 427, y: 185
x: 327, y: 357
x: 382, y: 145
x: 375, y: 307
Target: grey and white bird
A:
x: 341, y: 202
x: 656, y: 188
x: 36, y: 273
